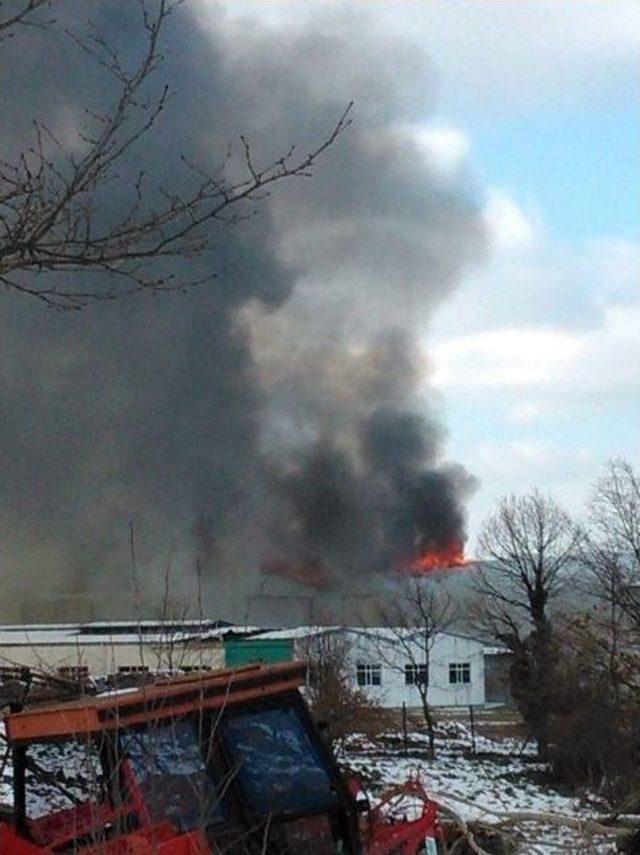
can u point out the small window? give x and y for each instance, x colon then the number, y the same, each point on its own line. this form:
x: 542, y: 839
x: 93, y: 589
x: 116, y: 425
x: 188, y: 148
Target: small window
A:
x: 459, y: 672
x: 74, y: 672
x: 13, y: 672
x: 133, y: 669
x: 369, y: 675
x: 416, y: 674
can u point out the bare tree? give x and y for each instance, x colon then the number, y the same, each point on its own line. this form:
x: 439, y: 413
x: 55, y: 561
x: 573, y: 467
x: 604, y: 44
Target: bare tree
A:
x: 612, y: 545
x: 419, y: 612
x: 50, y: 197
x: 342, y: 709
x: 530, y: 545
x: 606, y: 627
x: 594, y: 740
x: 615, y: 508
x: 611, y: 556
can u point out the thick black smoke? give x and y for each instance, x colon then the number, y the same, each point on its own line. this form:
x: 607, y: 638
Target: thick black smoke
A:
x: 370, y: 493
x: 278, y: 414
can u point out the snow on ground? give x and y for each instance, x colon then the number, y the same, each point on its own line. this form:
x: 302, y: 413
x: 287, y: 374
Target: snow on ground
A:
x: 499, y: 779
x: 68, y: 773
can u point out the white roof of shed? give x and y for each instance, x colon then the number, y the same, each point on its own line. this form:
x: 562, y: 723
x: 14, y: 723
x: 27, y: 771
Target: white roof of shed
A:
x: 296, y: 632
x: 103, y: 632
x: 367, y: 631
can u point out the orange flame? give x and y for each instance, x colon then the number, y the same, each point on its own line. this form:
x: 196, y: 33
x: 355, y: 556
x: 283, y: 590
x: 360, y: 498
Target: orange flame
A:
x: 445, y: 557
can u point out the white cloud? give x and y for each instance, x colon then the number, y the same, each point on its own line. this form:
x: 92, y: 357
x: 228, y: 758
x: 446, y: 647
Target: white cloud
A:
x: 539, y: 407
x: 613, y: 264
x: 510, y: 228
x: 534, y: 280
x: 517, y: 356
x: 513, y: 56
x: 611, y: 356
x: 445, y: 147
x: 493, y: 57
x: 525, y: 412
x: 518, y: 466
x: 537, y: 357
x: 591, y: 348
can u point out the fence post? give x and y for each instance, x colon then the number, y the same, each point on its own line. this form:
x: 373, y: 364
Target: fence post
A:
x: 472, y: 721
x: 404, y: 728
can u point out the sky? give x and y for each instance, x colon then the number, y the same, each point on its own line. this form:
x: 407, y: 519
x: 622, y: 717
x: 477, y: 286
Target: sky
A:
x: 534, y: 358
x: 536, y: 355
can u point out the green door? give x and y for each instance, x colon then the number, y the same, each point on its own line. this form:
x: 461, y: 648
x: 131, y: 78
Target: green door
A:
x: 243, y: 651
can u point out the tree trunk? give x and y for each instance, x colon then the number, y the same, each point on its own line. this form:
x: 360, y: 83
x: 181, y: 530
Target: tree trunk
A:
x: 543, y: 741
x: 428, y: 719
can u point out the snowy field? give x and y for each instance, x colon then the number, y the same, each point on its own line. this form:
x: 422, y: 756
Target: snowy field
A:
x: 498, y: 780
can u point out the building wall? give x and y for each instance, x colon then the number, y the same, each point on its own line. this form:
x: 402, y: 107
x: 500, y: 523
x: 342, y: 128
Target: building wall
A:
x: 108, y: 656
x: 379, y: 648
x: 497, y: 678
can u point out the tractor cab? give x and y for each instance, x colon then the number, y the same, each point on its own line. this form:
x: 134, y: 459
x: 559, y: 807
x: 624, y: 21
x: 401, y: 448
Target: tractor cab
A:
x: 226, y: 761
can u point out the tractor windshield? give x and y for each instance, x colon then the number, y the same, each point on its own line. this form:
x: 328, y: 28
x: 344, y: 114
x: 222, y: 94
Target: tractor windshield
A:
x: 172, y: 774
x: 277, y: 766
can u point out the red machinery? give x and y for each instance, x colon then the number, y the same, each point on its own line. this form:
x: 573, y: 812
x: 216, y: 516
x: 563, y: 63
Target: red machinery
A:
x: 389, y: 830
x: 225, y: 761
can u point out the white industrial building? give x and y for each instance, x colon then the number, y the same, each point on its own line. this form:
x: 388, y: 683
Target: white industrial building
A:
x: 117, y: 647
x: 387, y: 663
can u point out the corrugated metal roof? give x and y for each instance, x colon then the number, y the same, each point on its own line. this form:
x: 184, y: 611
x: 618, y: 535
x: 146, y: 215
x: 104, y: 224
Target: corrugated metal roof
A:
x: 367, y: 631
x: 117, y: 632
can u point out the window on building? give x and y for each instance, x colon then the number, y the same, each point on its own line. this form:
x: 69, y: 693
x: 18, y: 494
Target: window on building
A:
x: 73, y: 672
x: 13, y: 672
x: 368, y: 674
x: 459, y: 672
x: 133, y: 669
x: 416, y: 674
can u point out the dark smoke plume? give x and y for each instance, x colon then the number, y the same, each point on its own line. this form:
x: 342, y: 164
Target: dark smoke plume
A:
x: 279, y: 418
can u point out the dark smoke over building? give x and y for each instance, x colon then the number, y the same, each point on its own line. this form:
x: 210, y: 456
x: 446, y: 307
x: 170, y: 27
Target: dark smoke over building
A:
x: 275, y: 422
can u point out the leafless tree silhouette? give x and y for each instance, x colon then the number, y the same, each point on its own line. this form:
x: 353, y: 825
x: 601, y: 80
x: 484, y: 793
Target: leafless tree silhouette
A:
x: 612, y: 545
x: 50, y: 204
x: 530, y: 544
x: 419, y: 612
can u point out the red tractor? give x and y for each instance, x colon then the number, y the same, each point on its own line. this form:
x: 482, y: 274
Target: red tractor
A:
x: 218, y: 762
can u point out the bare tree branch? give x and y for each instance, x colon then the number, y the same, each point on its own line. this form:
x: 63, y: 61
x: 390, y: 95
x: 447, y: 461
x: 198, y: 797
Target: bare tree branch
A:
x: 612, y: 545
x: 50, y: 206
x: 23, y: 16
x: 530, y: 546
x: 418, y: 614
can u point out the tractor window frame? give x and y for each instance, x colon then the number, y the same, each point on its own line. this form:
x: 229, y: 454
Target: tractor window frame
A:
x: 90, y: 816
x: 217, y: 813
x: 293, y: 701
